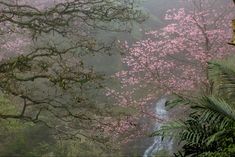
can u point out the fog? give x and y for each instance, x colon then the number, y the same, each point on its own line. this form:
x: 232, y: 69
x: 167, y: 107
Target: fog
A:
x: 60, y: 94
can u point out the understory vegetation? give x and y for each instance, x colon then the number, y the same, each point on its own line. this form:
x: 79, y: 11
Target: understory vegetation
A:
x: 209, y: 129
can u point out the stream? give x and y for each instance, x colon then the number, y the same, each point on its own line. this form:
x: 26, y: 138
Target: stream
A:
x: 158, y: 144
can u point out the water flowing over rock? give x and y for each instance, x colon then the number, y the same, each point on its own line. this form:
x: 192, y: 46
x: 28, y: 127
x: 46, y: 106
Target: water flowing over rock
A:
x: 159, y: 144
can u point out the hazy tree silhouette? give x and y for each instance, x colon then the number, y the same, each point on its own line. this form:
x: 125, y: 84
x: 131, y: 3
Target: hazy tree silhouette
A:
x: 48, y: 78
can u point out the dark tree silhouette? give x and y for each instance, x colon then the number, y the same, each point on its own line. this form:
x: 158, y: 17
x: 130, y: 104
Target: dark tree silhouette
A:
x: 47, y: 77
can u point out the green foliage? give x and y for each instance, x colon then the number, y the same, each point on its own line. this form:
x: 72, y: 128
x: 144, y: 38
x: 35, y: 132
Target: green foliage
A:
x: 221, y: 74
x: 177, y: 100
x: 209, y: 130
x: 227, y: 152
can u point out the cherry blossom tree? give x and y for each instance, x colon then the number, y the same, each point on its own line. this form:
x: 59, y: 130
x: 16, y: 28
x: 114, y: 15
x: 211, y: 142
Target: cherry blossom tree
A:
x: 173, y: 59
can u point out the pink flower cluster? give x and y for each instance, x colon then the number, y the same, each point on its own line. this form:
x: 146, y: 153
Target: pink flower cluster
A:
x: 174, y: 59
